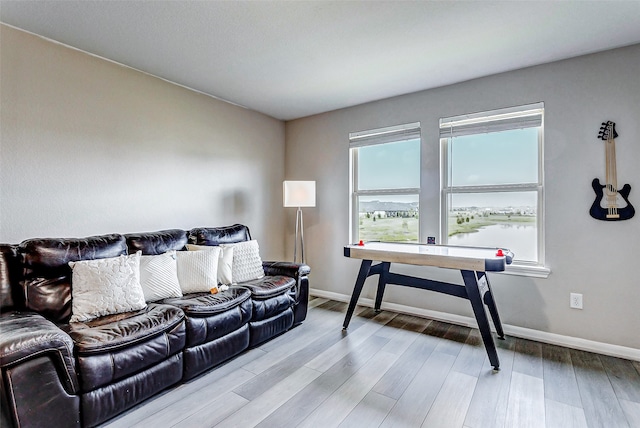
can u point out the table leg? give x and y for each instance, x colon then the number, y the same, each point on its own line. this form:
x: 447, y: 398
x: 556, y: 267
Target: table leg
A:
x: 471, y: 284
x: 493, y: 309
x: 357, y: 289
x: 382, y: 282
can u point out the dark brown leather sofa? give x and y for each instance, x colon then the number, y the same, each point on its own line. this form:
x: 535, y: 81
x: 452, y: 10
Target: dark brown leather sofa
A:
x: 61, y: 373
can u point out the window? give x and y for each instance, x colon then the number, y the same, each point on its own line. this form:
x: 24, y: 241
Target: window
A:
x: 385, y: 171
x: 492, y: 181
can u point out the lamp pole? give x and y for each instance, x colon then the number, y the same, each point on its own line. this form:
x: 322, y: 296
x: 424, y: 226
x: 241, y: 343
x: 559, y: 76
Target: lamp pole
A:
x: 300, y: 229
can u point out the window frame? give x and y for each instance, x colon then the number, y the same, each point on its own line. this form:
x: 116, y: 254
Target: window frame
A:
x: 357, y: 140
x: 482, y: 123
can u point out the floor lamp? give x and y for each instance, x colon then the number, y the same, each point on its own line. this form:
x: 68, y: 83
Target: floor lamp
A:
x: 299, y: 194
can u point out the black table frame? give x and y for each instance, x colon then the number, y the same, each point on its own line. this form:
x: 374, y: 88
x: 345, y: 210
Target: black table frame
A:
x: 476, y: 289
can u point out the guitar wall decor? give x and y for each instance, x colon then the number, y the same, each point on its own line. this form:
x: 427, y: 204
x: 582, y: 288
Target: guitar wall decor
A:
x: 611, y: 203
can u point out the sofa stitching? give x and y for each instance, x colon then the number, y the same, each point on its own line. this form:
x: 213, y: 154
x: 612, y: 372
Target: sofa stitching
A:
x: 14, y: 406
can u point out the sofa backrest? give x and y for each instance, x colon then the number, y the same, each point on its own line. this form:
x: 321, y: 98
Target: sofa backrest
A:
x: 35, y: 274
x: 46, y: 275
x: 8, y: 278
x: 153, y: 243
x: 219, y: 235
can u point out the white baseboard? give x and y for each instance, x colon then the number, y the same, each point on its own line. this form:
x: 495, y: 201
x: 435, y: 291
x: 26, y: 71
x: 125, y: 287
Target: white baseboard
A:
x: 524, y: 333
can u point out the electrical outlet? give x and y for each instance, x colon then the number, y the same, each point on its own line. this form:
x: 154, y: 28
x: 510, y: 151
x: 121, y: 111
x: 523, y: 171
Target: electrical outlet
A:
x: 575, y: 301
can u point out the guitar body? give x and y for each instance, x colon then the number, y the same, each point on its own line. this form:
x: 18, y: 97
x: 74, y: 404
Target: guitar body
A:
x: 599, y: 213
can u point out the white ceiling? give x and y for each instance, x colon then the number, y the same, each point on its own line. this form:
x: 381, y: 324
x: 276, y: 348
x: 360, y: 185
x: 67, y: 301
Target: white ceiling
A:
x: 291, y: 59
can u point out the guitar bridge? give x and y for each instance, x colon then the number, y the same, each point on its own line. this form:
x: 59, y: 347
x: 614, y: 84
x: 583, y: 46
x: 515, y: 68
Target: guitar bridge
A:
x: 613, y: 215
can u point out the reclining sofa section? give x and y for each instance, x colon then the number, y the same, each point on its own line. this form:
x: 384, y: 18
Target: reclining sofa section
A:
x: 61, y: 373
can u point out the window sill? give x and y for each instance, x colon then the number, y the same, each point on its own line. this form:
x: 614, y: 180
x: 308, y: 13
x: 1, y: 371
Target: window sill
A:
x: 527, y: 270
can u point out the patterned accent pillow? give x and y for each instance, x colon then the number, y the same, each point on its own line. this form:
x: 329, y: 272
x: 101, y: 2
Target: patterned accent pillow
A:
x: 198, y: 270
x: 225, y: 262
x: 247, y: 264
x: 159, y: 276
x: 105, y: 287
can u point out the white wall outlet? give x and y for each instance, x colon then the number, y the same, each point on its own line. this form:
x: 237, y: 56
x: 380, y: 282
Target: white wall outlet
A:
x: 575, y: 300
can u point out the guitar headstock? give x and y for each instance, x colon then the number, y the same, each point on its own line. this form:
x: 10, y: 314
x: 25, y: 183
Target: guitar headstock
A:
x: 608, y: 131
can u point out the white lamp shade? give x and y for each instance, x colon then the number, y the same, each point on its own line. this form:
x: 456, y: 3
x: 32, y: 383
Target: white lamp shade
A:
x: 299, y: 193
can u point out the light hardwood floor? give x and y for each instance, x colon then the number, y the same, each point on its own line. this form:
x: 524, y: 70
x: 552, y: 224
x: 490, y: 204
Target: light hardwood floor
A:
x: 395, y: 370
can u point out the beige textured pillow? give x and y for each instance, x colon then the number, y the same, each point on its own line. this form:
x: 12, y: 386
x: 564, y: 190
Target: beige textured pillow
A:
x: 225, y: 262
x: 198, y: 270
x: 105, y: 287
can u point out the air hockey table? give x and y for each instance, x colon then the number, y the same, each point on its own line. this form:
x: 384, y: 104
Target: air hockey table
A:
x: 472, y: 262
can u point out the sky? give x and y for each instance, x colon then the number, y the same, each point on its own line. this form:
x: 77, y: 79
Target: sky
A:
x: 505, y: 157
x: 495, y: 158
x: 389, y: 166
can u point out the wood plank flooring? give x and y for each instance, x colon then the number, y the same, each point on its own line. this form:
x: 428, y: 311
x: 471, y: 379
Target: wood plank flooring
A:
x: 396, y: 370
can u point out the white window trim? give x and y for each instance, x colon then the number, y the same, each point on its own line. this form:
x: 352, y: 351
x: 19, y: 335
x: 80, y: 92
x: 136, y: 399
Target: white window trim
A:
x: 506, y: 119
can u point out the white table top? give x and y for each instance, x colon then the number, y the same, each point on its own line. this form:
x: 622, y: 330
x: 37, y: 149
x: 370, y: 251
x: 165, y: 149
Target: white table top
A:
x: 445, y: 256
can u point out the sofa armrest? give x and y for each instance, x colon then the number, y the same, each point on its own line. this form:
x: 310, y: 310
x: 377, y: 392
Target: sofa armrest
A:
x: 39, y: 383
x: 27, y: 335
x: 294, y: 270
x: 300, y: 272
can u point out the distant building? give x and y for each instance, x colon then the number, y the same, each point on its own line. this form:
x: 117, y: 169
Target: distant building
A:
x: 388, y: 214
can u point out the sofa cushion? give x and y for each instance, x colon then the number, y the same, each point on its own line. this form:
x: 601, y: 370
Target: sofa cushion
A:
x: 105, y: 287
x: 271, y: 296
x: 203, y: 357
x: 205, y: 304
x: 210, y: 316
x: 219, y: 235
x: 152, y: 243
x: 119, y: 331
x: 46, y: 273
x: 269, y: 286
x: 266, y: 308
x: 262, y: 330
x: 113, y: 347
x: 104, y: 403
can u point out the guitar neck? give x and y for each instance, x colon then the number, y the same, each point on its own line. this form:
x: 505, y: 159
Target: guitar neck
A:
x: 611, y: 173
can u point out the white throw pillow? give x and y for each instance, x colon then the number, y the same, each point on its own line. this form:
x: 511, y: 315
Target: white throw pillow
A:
x: 105, y: 287
x: 198, y: 270
x: 225, y: 262
x: 247, y: 264
x: 225, y: 266
x: 159, y: 276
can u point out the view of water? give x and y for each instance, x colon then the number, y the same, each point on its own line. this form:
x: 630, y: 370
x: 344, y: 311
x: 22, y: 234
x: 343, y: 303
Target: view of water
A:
x: 519, y: 238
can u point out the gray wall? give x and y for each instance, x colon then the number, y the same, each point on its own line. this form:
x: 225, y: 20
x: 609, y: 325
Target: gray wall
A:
x: 587, y: 256
x: 91, y: 147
